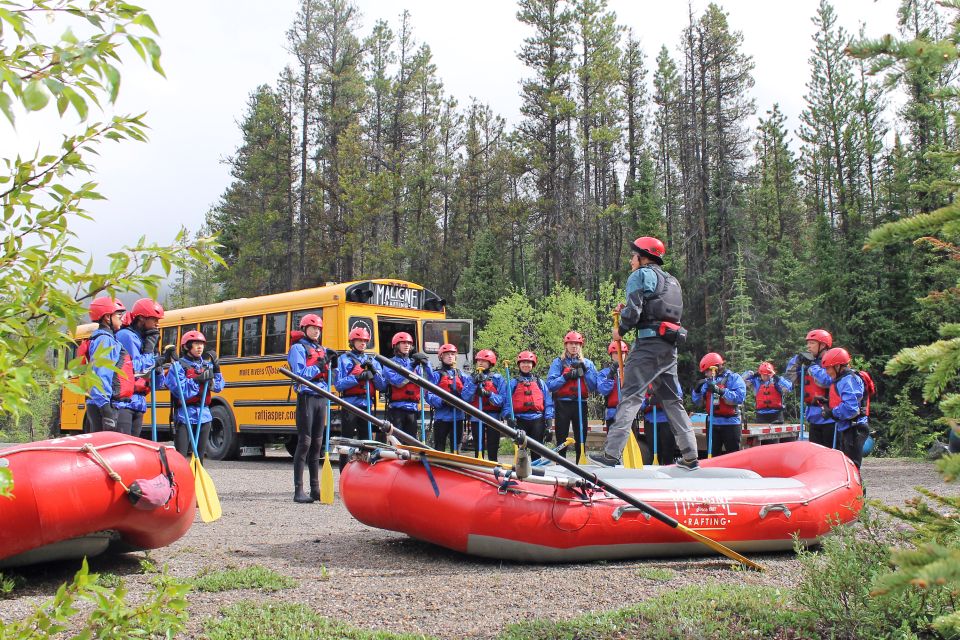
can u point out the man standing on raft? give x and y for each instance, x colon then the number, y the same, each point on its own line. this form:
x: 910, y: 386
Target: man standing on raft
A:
x: 654, y: 307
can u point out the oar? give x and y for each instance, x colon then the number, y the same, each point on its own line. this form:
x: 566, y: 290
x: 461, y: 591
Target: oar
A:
x: 456, y: 449
x: 384, y: 426
x: 656, y: 427
x: 523, y: 440
x: 208, y: 502
x: 369, y: 427
x: 583, y: 446
x: 803, y: 409
x: 153, y: 402
x: 326, y: 473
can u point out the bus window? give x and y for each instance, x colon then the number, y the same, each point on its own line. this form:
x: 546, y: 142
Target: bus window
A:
x: 276, y: 341
x: 252, y: 336
x: 386, y: 327
x: 367, y: 324
x: 298, y: 315
x: 209, y: 331
x: 459, y: 333
x: 170, y: 337
x: 229, y: 332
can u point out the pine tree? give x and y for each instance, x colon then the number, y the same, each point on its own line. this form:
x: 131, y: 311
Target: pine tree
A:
x: 482, y: 282
x: 743, y: 350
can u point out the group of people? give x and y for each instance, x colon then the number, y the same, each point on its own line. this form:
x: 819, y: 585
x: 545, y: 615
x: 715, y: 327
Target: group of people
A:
x: 124, y: 351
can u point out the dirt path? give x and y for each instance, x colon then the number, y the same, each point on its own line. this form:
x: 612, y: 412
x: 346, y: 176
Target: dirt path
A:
x: 383, y: 580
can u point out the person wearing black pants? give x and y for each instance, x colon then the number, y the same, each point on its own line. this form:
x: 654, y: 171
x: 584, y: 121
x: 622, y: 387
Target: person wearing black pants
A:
x: 531, y: 406
x: 449, y: 421
x: 725, y: 391
x: 186, y: 378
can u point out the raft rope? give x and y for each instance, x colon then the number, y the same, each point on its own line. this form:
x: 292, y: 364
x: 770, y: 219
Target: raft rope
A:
x: 92, y: 451
x: 553, y: 507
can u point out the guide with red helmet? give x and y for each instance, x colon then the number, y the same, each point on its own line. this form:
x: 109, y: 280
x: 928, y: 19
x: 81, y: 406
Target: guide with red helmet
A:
x: 488, y: 394
x: 112, y: 387
x: 139, y: 338
x: 403, y: 396
x: 532, y: 408
x: 815, y: 383
x: 187, y: 379
x: 571, y: 379
x: 358, y: 379
x: 725, y: 391
x: 448, y: 421
x: 769, y: 390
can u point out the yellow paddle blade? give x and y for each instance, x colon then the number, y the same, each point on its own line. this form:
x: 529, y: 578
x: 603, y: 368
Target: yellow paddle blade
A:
x: 655, y: 463
x: 326, y: 481
x: 208, y: 502
x: 632, y: 453
x: 582, y: 460
x: 720, y: 548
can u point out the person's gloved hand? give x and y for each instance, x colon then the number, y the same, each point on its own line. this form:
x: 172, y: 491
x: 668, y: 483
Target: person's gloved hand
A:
x: 573, y: 374
x: 211, y: 355
x: 206, y: 375
x: 369, y: 366
x: 331, y: 356
x: 108, y: 415
x: 168, y: 353
x: 484, y: 392
x: 365, y: 376
x: 512, y: 423
x: 827, y: 413
x: 713, y: 386
x: 701, y: 385
x: 420, y: 358
x: 805, y: 356
x: 478, y: 377
x: 820, y: 401
x: 151, y: 337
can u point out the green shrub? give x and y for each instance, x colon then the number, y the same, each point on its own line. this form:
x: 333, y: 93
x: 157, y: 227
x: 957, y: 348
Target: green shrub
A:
x: 161, y: 614
x: 284, y: 621
x: 254, y: 577
x: 8, y: 584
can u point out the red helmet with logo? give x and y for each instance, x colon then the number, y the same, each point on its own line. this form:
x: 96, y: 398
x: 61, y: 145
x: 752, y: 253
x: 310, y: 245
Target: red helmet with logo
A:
x: 650, y: 247
x: 192, y: 336
x: 358, y: 333
x: 146, y: 308
x: 401, y: 337
x: 835, y: 358
x: 573, y: 336
x: 488, y: 355
x: 766, y: 369
x: 612, y: 349
x: 527, y: 356
x: 820, y: 335
x: 104, y: 306
x: 311, y: 320
x: 446, y: 348
x: 712, y: 359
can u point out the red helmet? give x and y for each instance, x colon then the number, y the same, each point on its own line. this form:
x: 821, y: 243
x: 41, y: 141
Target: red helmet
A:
x: 650, y: 247
x: 573, y: 336
x: 311, y: 320
x: 612, y: 349
x: 835, y: 358
x: 126, y: 320
x: 104, y: 306
x: 712, y: 359
x: 822, y: 336
x: 766, y: 369
x: 401, y: 337
x: 146, y: 308
x: 192, y: 336
x: 358, y: 333
x: 446, y: 348
x: 488, y: 355
x: 527, y: 356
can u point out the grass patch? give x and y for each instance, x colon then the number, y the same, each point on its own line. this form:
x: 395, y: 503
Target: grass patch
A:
x: 109, y: 580
x: 9, y: 584
x: 657, y: 574
x: 285, y: 621
x: 254, y: 577
x: 718, y: 612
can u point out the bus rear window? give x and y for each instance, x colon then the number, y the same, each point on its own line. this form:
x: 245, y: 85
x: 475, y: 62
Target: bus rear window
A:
x: 229, y: 332
x: 252, y: 335
x: 276, y: 341
x: 170, y: 337
x: 298, y: 315
x: 209, y: 331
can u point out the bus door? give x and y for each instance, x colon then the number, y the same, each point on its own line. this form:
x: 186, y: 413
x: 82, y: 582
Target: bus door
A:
x: 459, y: 333
x: 387, y: 327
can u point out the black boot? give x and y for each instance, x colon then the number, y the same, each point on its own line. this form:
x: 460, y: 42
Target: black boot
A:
x: 300, y: 496
x: 314, y: 490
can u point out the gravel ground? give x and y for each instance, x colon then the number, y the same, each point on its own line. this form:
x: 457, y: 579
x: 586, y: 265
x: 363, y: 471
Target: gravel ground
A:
x: 383, y: 580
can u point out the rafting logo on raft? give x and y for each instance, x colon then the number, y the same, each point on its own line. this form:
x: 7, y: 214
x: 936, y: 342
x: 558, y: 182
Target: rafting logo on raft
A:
x: 703, y: 511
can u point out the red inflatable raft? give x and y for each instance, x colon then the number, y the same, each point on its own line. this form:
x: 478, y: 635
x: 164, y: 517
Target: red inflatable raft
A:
x: 66, y: 505
x: 751, y: 500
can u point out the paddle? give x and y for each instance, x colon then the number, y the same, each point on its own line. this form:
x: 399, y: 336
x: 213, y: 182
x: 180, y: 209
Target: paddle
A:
x: 525, y: 441
x: 153, y: 402
x: 423, y: 417
x: 656, y: 427
x: 710, y: 427
x: 369, y: 428
x: 384, y: 426
x: 208, y: 502
x: 326, y: 472
x: 803, y: 409
x: 583, y: 447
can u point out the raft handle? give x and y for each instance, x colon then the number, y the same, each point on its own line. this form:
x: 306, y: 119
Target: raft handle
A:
x: 619, y: 511
x: 774, y: 507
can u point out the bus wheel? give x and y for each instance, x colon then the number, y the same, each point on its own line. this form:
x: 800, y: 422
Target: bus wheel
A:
x: 224, y: 441
x: 291, y: 445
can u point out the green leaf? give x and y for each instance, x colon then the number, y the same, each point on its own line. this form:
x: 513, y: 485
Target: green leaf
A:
x: 5, y: 105
x: 6, y: 483
x: 35, y: 96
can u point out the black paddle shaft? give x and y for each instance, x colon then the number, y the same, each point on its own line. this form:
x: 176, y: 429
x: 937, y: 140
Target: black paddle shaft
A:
x: 524, y: 441
x: 382, y: 425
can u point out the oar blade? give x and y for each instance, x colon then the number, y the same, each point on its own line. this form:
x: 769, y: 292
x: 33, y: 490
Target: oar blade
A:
x: 720, y: 548
x: 326, y: 481
x: 582, y: 459
x: 208, y: 502
x: 632, y: 453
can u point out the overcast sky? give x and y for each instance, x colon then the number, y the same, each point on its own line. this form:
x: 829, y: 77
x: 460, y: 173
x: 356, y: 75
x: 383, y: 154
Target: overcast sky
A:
x: 215, y: 52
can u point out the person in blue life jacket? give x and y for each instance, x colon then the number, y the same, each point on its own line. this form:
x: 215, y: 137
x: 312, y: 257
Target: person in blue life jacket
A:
x: 186, y: 379
x: 726, y: 391
x: 532, y: 408
x: 311, y: 361
x: 769, y: 390
x: 568, y: 372
x: 140, y: 338
x: 653, y: 309
x: 112, y: 387
x: 816, y: 382
x: 667, y: 449
x: 845, y: 403
x: 448, y: 421
x: 403, y: 396
x: 489, y: 392
x: 358, y: 378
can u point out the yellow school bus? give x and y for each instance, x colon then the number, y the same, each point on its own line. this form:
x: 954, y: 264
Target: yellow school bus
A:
x: 252, y: 338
